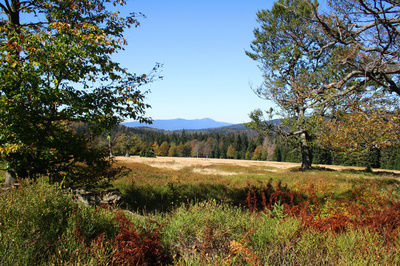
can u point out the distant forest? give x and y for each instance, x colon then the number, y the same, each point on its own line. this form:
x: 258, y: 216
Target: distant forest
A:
x: 230, y: 143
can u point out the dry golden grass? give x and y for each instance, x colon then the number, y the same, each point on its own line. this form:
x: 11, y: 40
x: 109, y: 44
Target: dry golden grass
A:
x: 202, y: 165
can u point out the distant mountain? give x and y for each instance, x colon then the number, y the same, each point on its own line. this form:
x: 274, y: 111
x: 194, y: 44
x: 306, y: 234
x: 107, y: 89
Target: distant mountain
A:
x: 179, y: 124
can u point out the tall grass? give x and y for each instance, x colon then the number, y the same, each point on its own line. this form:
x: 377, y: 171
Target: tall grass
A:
x: 218, y: 234
x: 39, y: 224
x: 257, y: 217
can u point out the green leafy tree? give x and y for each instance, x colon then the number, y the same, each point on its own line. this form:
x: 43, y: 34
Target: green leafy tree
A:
x: 121, y: 145
x: 180, y: 150
x: 249, y: 154
x: 187, y: 149
x: 172, y: 152
x: 146, y: 150
x: 56, y: 68
x: 293, y: 74
x: 362, y: 129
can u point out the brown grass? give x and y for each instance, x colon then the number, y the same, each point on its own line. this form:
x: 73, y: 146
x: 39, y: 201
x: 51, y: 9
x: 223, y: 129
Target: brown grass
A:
x: 177, y: 163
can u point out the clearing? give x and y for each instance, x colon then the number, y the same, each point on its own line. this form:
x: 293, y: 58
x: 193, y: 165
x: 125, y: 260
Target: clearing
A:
x: 202, y: 165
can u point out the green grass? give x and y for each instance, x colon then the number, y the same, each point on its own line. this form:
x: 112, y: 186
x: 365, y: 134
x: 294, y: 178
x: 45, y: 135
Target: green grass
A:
x: 189, y: 218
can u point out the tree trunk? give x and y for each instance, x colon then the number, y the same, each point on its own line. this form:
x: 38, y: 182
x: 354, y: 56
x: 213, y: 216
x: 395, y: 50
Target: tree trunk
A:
x: 306, y: 152
x: 109, y: 146
x: 305, y: 149
x: 10, y: 178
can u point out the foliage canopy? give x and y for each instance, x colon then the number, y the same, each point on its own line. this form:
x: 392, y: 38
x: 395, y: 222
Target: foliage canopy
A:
x: 56, y: 68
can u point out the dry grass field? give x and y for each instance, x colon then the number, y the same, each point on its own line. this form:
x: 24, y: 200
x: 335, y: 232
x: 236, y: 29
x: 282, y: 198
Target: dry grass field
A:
x: 202, y: 165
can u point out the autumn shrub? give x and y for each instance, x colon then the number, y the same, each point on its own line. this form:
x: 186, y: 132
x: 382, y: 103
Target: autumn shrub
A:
x: 264, y: 197
x: 137, y: 246
x: 203, y: 230
x: 365, y: 208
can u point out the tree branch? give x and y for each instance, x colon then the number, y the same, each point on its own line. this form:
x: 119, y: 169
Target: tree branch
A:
x: 4, y: 8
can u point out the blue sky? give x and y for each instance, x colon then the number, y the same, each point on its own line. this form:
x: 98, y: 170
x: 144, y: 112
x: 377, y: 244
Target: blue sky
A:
x: 202, y: 47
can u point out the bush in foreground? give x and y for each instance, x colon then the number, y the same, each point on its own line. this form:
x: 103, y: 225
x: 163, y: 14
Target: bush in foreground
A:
x: 41, y: 224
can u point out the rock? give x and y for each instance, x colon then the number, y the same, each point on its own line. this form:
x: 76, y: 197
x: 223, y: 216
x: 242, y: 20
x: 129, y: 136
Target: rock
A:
x: 10, y: 179
x: 89, y: 198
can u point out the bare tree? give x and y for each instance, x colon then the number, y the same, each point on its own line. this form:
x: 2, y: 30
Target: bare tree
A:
x: 366, y: 34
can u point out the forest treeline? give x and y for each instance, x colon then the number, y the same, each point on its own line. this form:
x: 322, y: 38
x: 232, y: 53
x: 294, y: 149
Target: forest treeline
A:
x: 244, y: 145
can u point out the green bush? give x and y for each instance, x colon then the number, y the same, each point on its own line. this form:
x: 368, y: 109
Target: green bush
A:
x: 40, y: 222
x: 32, y: 220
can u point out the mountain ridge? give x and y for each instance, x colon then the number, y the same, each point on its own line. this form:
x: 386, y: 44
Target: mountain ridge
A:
x: 179, y: 124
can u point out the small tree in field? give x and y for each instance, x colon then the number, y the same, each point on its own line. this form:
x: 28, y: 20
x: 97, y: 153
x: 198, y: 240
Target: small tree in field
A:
x: 260, y: 153
x: 56, y: 68
x: 293, y: 74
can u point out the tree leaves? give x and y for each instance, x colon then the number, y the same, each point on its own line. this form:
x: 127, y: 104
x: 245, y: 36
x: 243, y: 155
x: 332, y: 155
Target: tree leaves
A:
x: 56, y: 68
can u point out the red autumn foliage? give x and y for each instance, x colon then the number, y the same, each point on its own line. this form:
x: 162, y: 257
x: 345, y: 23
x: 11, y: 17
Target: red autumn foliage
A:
x: 336, y: 224
x: 137, y: 247
x: 380, y: 215
x: 264, y: 198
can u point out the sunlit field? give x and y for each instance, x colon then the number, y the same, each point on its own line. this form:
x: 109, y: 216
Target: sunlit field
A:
x: 185, y: 211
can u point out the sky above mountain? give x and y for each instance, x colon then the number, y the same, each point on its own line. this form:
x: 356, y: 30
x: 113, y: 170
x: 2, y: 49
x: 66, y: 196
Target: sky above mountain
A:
x: 202, y: 46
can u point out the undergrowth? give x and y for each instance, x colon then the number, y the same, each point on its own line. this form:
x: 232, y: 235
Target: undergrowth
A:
x: 213, y: 222
x: 41, y: 224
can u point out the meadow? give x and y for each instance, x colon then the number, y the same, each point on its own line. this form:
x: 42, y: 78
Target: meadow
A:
x: 187, y: 211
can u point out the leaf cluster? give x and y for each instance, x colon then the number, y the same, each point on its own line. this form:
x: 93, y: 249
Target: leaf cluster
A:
x: 56, y: 68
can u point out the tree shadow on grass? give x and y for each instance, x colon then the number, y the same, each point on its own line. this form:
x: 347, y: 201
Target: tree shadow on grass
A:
x: 314, y: 168
x: 376, y: 177
x: 374, y: 173
x: 166, y: 198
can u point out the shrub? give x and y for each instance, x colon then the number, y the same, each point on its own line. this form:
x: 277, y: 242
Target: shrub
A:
x: 32, y: 220
x: 137, y: 246
x: 40, y: 223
